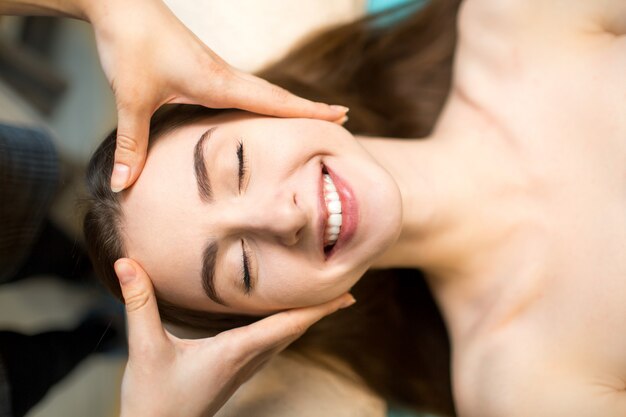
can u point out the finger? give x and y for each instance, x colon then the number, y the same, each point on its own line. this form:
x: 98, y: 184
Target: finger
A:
x: 259, y: 96
x: 341, y: 121
x: 131, y: 146
x: 283, y: 328
x: 144, y: 323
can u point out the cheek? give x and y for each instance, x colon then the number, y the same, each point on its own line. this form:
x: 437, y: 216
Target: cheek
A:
x: 292, y: 281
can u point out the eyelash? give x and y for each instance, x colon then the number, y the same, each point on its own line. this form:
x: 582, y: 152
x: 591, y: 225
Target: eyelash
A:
x: 245, y: 270
x: 243, y: 165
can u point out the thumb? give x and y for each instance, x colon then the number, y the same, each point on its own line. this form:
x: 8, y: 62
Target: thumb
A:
x: 282, y: 328
x: 144, y: 323
x: 131, y: 146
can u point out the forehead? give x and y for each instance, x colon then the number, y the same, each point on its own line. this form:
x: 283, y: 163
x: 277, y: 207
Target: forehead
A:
x: 162, y: 216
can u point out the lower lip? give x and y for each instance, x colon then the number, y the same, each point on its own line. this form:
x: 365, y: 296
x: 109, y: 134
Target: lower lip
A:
x: 349, y: 212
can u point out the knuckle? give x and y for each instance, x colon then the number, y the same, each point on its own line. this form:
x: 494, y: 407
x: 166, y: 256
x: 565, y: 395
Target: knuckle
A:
x: 220, y: 79
x: 224, y: 85
x: 240, y: 352
x: 225, y: 342
x: 224, y: 345
x: 221, y: 72
x: 127, y: 144
x: 296, y: 327
x: 280, y: 94
x: 234, y: 356
x: 136, y: 301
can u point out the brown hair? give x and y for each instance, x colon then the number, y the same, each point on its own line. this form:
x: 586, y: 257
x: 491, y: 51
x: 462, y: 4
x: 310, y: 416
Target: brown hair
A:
x: 395, y: 78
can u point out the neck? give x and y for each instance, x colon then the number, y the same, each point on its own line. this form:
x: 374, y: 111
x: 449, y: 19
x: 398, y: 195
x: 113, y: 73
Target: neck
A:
x: 451, y: 203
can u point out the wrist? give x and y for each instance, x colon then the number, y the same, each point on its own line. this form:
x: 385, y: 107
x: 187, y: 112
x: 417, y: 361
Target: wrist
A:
x: 65, y: 8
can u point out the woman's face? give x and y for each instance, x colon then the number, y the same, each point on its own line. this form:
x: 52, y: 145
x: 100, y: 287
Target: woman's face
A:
x: 232, y: 214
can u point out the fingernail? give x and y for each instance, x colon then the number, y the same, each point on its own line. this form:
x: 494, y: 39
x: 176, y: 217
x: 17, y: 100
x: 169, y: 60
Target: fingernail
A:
x: 343, y: 120
x: 119, y: 177
x: 347, y: 302
x: 342, y: 109
x: 125, y: 272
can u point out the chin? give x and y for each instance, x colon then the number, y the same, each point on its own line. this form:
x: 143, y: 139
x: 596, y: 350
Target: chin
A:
x: 385, y: 216
x: 377, y: 240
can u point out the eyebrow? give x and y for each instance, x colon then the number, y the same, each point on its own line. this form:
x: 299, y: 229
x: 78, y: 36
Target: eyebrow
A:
x: 199, y: 167
x: 209, y: 256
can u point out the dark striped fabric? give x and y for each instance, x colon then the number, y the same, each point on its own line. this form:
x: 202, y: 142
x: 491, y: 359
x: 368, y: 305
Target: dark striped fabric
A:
x: 29, y: 176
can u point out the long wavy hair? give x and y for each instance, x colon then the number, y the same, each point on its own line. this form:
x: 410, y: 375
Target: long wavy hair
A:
x: 394, y: 72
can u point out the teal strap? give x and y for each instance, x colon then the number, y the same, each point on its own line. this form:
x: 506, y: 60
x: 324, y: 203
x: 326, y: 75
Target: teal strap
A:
x: 375, y: 6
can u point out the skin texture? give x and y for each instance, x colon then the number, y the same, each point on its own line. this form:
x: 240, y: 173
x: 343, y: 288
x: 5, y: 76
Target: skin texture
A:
x: 514, y: 207
x: 522, y: 238
x: 276, y: 213
x: 537, y: 323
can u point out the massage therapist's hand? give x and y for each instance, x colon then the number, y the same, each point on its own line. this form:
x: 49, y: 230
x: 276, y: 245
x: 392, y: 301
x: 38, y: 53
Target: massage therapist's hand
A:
x: 151, y: 59
x: 168, y: 376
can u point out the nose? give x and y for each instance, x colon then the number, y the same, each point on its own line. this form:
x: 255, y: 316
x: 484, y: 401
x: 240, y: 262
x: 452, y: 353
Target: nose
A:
x: 278, y: 216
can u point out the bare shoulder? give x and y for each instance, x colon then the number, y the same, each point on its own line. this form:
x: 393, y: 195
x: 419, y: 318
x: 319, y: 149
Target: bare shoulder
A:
x: 568, y: 53
x: 293, y: 386
x: 555, y: 16
x: 514, y: 374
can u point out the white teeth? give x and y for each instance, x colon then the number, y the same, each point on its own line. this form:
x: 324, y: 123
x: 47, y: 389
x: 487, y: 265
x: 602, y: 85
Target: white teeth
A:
x: 331, y: 196
x: 329, y: 187
x: 333, y: 230
x: 334, y: 220
x: 333, y: 205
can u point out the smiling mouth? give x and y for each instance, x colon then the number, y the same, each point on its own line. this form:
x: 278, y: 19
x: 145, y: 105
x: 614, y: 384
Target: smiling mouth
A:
x: 334, y: 216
